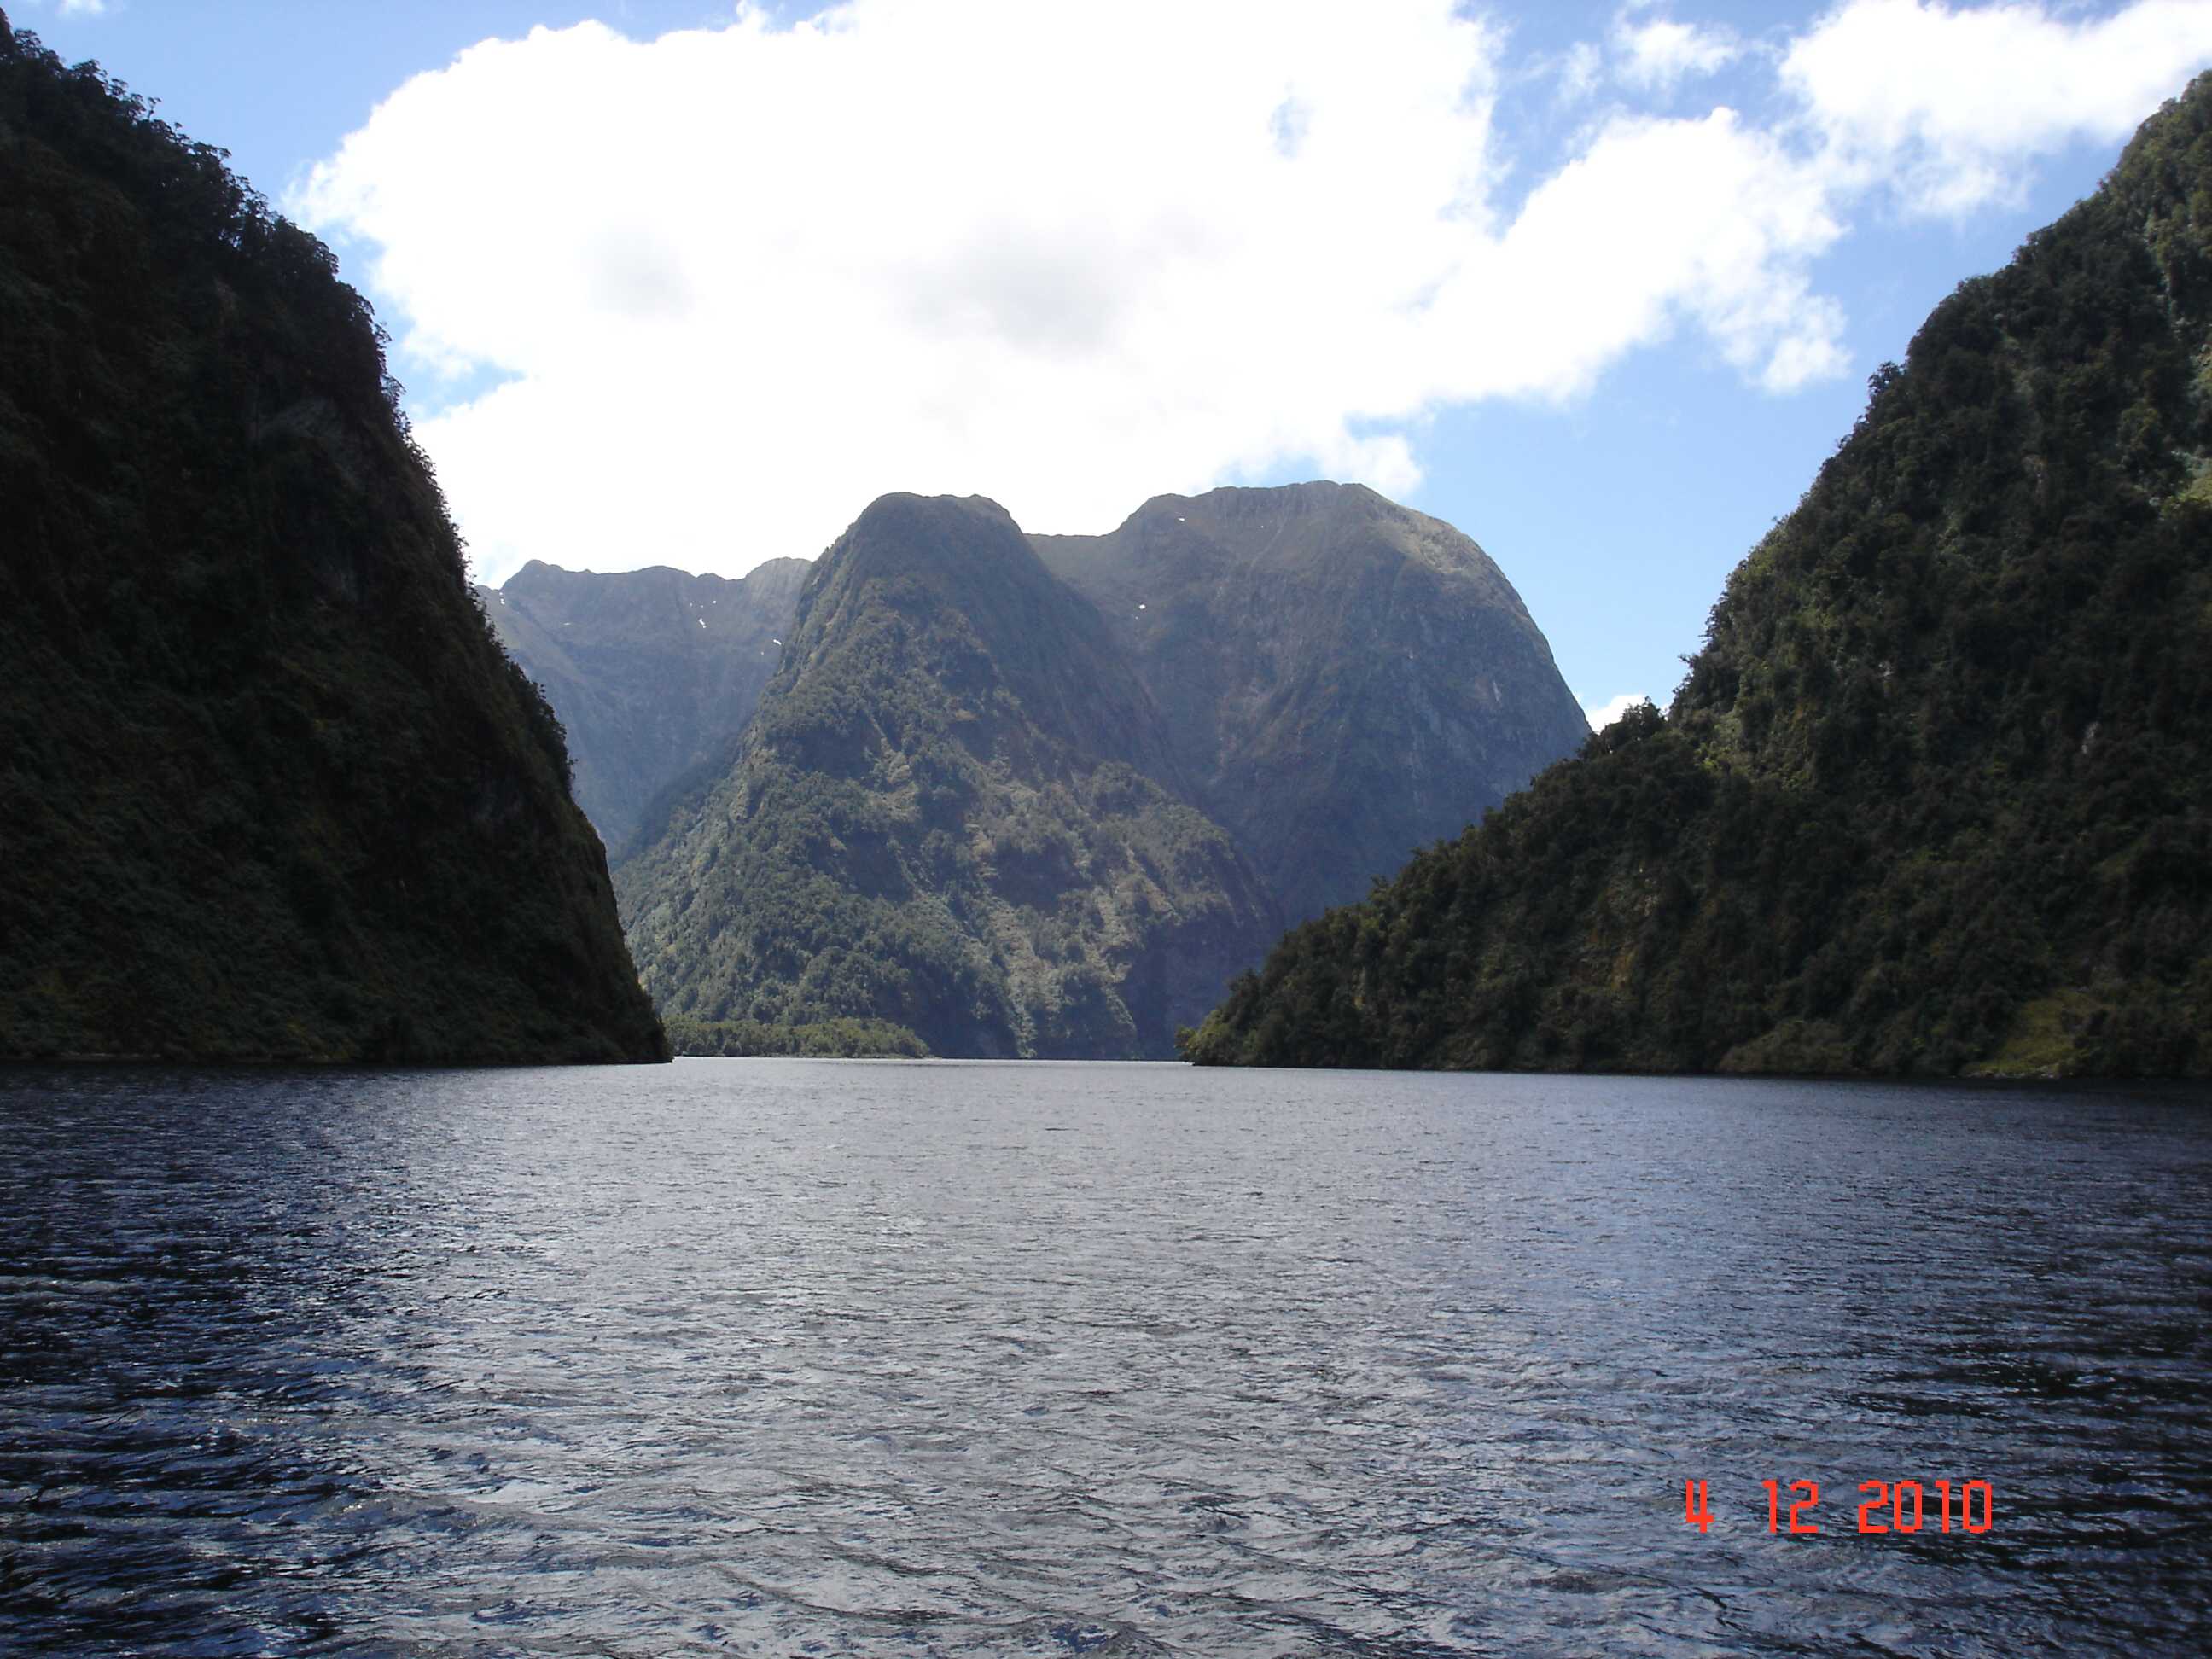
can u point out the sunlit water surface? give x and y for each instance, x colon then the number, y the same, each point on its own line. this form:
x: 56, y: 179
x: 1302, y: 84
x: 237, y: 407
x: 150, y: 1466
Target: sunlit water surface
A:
x: 763, y: 1356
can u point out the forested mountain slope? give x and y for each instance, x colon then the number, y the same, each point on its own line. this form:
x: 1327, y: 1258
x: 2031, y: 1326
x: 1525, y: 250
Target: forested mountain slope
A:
x: 268, y: 788
x: 1933, y: 797
x: 652, y: 672
x: 956, y: 810
x: 1343, y: 679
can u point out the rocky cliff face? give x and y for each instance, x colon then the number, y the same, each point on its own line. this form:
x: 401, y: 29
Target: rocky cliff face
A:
x: 652, y: 672
x: 1934, y: 796
x: 957, y: 811
x: 269, y: 789
x: 1343, y: 679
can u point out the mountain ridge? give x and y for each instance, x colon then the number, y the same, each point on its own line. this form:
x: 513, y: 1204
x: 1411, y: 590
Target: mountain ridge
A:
x: 652, y: 672
x: 1330, y: 678
x: 1344, y: 679
x: 942, y: 818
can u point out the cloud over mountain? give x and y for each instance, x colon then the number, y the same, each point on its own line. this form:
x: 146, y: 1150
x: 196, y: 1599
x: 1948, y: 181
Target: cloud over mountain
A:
x: 695, y: 300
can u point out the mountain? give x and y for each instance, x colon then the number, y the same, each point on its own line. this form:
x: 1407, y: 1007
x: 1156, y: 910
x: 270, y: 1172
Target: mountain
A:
x: 1344, y: 679
x: 1933, y: 797
x: 652, y: 672
x: 268, y: 788
x: 956, y: 810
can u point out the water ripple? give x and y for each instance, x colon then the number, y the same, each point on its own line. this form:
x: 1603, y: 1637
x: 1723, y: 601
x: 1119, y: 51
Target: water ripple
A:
x: 947, y: 1360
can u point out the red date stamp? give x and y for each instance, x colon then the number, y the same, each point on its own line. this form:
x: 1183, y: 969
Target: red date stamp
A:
x: 1889, y: 1506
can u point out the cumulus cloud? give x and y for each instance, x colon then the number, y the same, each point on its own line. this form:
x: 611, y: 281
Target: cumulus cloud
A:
x: 1951, y: 102
x: 1656, y: 221
x: 82, y: 8
x: 1659, y: 55
x: 1602, y: 714
x: 695, y: 300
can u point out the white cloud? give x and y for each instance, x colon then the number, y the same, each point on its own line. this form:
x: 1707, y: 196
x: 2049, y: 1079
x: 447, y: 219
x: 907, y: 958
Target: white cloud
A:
x: 1950, y: 103
x: 1658, y: 55
x: 1580, y: 69
x: 1658, y: 219
x: 1602, y: 714
x: 82, y: 8
x: 734, y: 282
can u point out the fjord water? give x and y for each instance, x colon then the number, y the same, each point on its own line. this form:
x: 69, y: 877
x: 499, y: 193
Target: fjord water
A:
x: 777, y: 1357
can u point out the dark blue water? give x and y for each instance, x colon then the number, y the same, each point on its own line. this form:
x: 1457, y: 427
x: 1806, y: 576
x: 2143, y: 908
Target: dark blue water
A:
x: 777, y: 1358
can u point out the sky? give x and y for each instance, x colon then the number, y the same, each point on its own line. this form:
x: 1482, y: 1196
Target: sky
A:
x: 1600, y: 284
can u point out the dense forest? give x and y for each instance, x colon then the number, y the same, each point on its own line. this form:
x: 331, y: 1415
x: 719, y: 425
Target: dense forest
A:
x: 948, y: 816
x: 268, y: 788
x: 1933, y: 797
x: 828, y: 1039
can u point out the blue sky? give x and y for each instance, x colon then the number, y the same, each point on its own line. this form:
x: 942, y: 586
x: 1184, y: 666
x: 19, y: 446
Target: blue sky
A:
x: 1600, y: 284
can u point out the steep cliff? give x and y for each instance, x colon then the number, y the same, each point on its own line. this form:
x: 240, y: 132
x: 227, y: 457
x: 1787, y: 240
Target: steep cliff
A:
x: 1343, y: 679
x: 269, y: 789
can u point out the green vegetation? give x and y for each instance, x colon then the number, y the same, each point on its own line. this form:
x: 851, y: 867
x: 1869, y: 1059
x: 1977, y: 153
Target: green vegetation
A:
x: 1933, y: 797
x: 945, y: 817
x: 985, y: 799
x: 269, y: 789
x: 828, y: 1039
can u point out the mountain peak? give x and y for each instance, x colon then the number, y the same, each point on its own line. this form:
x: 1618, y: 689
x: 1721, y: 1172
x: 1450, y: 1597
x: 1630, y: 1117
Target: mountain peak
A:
x: 1343, y: 678
x: 1262, y: 501
x: 956, y: 810
x: 906, y: 504
x: 953, y: 579
x: 935, y: 539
